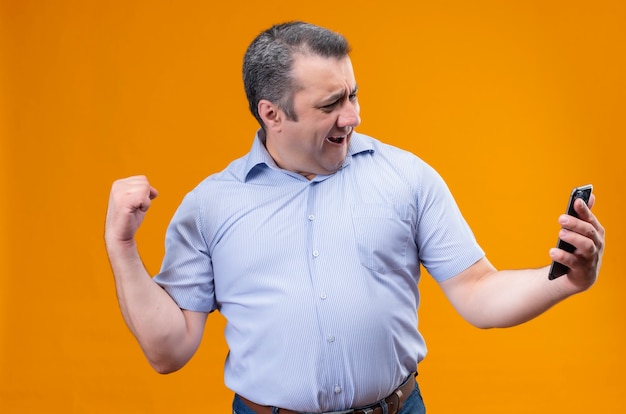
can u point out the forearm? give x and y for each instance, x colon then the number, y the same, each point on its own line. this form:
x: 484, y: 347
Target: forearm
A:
x: 512, y: 297
x: 505, y: 298
x: 153, y: 317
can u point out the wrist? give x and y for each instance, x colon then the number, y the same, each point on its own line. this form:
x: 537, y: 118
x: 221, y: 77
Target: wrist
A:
x: 117, y: 247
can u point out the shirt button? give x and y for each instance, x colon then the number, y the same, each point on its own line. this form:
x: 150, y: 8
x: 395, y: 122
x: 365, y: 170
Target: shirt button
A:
x: 337, y: 389
x: 323, y: 296
x: 330, y: 338
x: 315, y: 253
x: 311, y: 217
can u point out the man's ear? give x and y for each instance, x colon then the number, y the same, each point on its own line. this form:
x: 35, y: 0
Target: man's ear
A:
x: 271, y: 115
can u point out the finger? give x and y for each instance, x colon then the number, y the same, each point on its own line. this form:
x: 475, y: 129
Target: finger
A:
x: 584, y: 213
x: 586, y: 237
x: 151, y: 195
x: 592, y: 200
x: 583, y: 209
x: 585, y: 249
x: 141, y: 183
x: 584, y: 245
x: 568, y: 259
x: 142, y: 197
x: 572, y: 227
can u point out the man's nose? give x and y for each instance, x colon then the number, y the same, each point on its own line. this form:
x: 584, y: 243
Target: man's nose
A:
x: 349, y: 115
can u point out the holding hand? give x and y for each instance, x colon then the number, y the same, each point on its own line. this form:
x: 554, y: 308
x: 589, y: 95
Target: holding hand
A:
x: 586, y: 234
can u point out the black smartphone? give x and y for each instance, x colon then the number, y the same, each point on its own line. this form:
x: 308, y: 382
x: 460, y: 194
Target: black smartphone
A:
x: 558, y: 269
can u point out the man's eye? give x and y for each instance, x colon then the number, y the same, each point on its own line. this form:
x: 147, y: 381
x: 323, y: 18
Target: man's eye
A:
x: 352, y: 97
x: 329, y: 107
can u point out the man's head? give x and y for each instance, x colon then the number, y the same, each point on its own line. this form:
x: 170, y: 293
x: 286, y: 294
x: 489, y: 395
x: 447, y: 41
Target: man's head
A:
x: 268, y: 62
x: 302, y: 90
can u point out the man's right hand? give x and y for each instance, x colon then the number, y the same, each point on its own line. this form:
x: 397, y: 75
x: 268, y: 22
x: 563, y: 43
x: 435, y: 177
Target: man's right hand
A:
x: 129, y: 200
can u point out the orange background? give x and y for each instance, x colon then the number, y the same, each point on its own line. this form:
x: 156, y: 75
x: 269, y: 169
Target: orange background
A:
x: 513, y: 102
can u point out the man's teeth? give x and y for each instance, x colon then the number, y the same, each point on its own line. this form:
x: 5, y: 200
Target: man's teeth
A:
x: 336, y: 140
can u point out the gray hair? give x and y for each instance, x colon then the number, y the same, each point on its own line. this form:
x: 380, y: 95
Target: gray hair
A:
x: 268, y: 62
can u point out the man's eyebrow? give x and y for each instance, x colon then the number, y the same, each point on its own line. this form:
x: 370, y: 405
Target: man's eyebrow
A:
x: 340, y: 94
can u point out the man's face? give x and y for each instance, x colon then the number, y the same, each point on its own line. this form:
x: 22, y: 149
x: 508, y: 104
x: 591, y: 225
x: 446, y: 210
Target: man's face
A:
x: 327, y: 112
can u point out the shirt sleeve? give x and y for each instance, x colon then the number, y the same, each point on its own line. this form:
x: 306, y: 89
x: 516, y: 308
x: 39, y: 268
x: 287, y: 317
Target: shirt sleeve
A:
x: 187, y: 273
x: 446, y: 243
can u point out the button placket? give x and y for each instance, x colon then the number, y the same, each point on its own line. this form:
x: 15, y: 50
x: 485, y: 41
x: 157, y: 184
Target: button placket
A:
x: 320, y: 283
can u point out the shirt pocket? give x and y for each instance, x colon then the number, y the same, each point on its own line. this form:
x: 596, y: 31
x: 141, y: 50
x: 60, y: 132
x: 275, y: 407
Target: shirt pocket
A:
x: 382, y: 236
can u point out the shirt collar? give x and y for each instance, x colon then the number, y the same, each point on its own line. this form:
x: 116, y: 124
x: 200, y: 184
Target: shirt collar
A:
x: 258, y: 157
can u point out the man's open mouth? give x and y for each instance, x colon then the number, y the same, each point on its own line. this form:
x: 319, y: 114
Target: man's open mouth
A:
x: 336, y: 140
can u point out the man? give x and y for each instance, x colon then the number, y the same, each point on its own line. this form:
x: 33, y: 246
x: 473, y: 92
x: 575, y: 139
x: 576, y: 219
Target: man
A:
x: 311, y: 247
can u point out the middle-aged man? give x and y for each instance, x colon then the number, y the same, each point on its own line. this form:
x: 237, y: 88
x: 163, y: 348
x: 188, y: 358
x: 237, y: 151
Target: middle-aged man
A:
x: 311, y: 244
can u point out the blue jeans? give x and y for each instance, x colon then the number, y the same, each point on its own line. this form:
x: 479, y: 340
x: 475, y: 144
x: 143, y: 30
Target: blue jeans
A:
x: 413, y: 405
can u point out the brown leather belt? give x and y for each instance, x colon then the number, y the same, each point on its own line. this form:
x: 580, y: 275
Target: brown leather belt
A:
x: 394, y: 403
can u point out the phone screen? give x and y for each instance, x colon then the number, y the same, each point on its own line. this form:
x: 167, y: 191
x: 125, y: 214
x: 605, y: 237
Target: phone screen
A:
x: 558, y: 269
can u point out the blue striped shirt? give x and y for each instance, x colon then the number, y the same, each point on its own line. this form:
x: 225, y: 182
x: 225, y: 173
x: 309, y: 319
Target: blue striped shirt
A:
x: 317, y: 279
